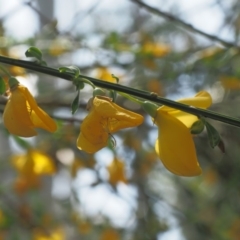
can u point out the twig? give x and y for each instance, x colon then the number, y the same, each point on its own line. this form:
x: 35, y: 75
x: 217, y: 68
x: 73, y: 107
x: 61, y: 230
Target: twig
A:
x: 120, y: 88
x: 184, y: 24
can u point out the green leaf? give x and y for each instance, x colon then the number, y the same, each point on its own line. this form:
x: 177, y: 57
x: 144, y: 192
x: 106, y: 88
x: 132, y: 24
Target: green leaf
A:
x: 79, y: 84
x: 150, y: 108
x: 213, y: 135
x: 2, y: 86
x: 98, y: 92
x: 197, y: 127
x: 75, y: 71
x: 113, y: 95
x: 75, y: 104
x: 13, y: 82
x: 43, y: 63
x: 34, y: 52
x: 21, y: 142
x: 116, y: 78
x: 221, y: 146
x: 70, y: 69
x: 88, y: 82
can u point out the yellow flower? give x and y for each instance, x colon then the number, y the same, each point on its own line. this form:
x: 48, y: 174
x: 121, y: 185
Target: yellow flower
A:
x: 35, y: 161
x: 58, y: 46
x: 156, y: 49
x: 116, y: 172
x: 104, y: 74
x: 175, y: 145
x: 230, y: 83
x: 30, y: 167
x: 2, y: 219
x: 22, y: 114
x: 104, y: 118
x: 110, y: 233
x: 52, y: 234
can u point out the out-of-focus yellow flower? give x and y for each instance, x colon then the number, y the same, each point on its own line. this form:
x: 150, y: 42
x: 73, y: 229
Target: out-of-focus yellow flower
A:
x: 147, y: 162
x: 116, y: 172
x: 22, y: 114
x: 211, y: 177
x: 38, y: 162
x: 23, y: 183
x: 58, y: 47
x: 43, y: 234
x: 209, y: 52
x: 175, y: 145
x: 13, y: 70
x: 230, y: 83
x: 84, y: 227
x: 30, y: 167
x: 110, y: 234
x: 234, y: 231
x: 104, y: 74
x: 154, y: 85
x: 2, y: 219
x: 104, y: 118
x: 156, y: 49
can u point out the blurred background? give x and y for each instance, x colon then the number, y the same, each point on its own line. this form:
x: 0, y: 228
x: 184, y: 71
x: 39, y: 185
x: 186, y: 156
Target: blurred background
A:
x: 50, y: 190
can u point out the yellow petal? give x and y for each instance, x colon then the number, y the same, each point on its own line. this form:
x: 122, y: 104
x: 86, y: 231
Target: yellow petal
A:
x: 39, y: 118
x: 110, y: 234
x: 116, y: 172
x: 16, y: 116
x: 93, y: 133
x: 117, y: 117
x: 104, y: 118
x: 186, y: 118
x: 104, y: 74
x: 84, y: 144
x: 43, y: 163
x: 18, y: 161
x: 201, y: 100
x: 175, y: 146
x: 33, y: 162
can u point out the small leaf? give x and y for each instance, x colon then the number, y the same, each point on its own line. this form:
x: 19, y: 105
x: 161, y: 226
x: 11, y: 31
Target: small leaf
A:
x: 13, y: 82
x: 88, y: 82
x: 112, y: 142
x: 213, y: 135
x: 79, y: 84
x: 21, y: 142
x: 113, y: 95
x: 34, y: 52
x: 197, y: 127
x: 43, y: 63
x: 63, y: 69
x: 221, y: 146
x: 2, y: 86
x: 150, y: 108
x: 116, y: 78
x: 98, y: 92
x: 70, y: 69
x: 75, y: 104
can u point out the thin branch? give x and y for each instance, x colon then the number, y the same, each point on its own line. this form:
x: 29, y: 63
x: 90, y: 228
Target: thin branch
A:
x: 145, y: 95
x: 188, y: 26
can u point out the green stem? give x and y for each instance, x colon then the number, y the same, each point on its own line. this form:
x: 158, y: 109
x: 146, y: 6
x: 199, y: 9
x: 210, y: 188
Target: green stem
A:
x: 123, y: 89
x: 133, y: 99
